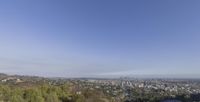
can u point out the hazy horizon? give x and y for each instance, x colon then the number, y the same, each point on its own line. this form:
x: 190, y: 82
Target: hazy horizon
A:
x: 74, y: 38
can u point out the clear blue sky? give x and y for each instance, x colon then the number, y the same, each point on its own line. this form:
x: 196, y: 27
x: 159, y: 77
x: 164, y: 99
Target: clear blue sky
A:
x: 81, y: 38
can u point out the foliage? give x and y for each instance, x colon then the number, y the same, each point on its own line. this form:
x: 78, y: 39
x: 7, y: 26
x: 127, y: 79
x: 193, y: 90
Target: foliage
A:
x: 45, y: 93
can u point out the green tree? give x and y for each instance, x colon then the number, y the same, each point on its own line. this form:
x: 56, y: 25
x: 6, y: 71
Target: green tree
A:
x: 33, y: 95
x: 52, y: 97
x: 16, y: 98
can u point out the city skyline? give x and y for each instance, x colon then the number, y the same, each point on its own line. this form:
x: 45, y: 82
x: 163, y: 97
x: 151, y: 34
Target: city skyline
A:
x: 100, y: 38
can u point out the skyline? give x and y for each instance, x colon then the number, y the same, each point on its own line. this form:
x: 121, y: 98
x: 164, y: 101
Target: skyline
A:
x: 100, y: 38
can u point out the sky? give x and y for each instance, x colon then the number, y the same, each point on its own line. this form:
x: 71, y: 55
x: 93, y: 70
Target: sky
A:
x: 100, y: 38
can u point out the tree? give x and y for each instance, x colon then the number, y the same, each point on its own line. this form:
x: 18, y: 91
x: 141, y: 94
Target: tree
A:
x: 52, y: 97
x: 16, y: 98
x: 33, y: 95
